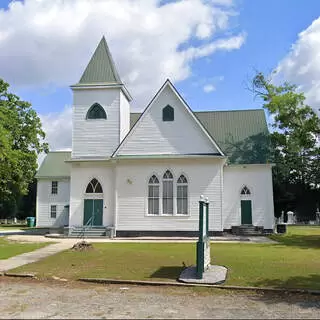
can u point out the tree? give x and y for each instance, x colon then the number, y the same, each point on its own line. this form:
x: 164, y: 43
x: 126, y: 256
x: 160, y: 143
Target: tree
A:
x: 21, y: 141
x: 295, y: 138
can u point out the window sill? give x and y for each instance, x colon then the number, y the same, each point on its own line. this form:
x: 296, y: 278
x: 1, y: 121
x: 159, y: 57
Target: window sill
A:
x: 168, y: 215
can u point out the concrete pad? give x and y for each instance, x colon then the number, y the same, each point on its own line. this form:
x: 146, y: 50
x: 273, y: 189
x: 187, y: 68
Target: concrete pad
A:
x: 213, y: 275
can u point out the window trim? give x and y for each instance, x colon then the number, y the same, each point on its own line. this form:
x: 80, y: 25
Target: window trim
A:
x: 170, y: 117
x: 90, y: 183
x: 56, y: 209
x: 245, y: 195
x: 170, y: 179
x: 158, y: 184
x: 186, y: 184
x: 161, y: 214
x: 96, y: 104
x: 54, y: 187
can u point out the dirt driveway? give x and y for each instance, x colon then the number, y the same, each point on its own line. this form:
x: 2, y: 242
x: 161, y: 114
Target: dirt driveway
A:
x: 21, y: 298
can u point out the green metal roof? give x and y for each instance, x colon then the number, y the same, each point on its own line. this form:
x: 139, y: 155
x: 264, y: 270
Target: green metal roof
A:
x: 101, y: 68
x: 54, y: 165
x: 241, y: 134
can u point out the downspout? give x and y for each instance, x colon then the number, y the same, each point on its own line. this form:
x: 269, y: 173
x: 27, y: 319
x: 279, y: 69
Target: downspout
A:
x: 224, y: 164
x: 115, y: 199
x: 221, y: 194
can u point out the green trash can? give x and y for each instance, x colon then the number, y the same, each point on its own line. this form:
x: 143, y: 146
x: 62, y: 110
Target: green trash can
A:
x: 31, y: 222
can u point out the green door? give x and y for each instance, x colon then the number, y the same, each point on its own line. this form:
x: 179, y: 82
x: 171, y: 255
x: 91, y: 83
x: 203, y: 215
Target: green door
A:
x: 92, y: 214
x: 246, y: 212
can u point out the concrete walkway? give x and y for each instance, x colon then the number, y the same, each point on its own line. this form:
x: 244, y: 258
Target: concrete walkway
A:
x: 32, y: 256
x: 71, y: 241
x: 11, y: 232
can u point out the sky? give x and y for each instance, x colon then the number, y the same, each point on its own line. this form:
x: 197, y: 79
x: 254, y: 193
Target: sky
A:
x: 209, y: 49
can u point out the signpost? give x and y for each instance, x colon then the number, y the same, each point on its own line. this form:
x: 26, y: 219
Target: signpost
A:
x: 204, y: 272
x: 203, y: 244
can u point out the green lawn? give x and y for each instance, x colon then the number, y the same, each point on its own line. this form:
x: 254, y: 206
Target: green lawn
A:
x: 9, y: 248
x: 290, y: 264
x: 9, y: 227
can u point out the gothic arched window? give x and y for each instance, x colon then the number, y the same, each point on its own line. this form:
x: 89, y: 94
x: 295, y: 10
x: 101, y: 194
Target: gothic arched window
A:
x: 167, y: 113
x: 167, y: 193
x: 96, y: 112
x: 153, y: 195
x: 94, y: 186
x: 182, y: 195
x: 245, y: 191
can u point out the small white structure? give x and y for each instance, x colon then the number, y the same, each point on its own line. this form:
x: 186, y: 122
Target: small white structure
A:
x: 291, y: 218
x: 142, y: 173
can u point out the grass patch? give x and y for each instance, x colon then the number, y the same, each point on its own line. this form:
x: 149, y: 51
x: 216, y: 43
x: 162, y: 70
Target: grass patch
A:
x: 9, y: 248
x: 9, y: 227
x: 300, y: 236
x: 263, y: 265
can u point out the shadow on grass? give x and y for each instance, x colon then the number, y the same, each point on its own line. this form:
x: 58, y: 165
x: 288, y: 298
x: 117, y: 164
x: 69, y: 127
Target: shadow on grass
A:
x: 302, y: 300
x: 169, y: 273
x: 301, y: 241
x: 311, y: 281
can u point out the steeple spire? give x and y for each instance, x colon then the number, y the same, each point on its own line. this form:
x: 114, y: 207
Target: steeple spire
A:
x: 101, y: 68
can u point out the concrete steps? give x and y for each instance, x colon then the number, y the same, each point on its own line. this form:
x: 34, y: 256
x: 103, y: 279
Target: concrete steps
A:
x: 247, y: 230
x: 90, y: 232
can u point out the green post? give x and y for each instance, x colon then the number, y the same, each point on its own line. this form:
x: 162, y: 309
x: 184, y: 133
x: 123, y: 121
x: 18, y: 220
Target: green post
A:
x: 203, y: 244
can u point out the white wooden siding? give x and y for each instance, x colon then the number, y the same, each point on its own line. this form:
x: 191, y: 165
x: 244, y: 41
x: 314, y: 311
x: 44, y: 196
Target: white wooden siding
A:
x: 95, y: 137
x: 124, y: 116
x: 204, y: 177
x: 258, y: 179
x: 45, y: 199
x: 81, y: 175
x: 154, y: 136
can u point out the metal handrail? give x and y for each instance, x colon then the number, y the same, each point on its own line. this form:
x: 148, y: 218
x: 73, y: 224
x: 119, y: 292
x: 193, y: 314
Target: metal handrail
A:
x: 90, y: 221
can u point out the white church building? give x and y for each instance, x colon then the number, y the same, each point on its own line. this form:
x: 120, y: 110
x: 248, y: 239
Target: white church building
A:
x: 143, y: 174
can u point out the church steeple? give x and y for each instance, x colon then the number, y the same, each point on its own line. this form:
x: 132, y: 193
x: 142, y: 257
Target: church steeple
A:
x: 101, y: 108
x: 101, y: 68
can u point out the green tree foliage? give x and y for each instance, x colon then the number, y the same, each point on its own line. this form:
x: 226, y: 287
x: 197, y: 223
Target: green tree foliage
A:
x: 21, y: 140
x: 295, y: 138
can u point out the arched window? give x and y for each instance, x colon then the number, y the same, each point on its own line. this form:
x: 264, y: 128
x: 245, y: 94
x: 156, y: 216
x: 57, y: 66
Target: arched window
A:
x: 182, y: 195
x: 94, y: 186
x: 167, y: 113
x: 96, y: 112
x: 245, y: 191
x: 153, y: 195
x: 167, y: 193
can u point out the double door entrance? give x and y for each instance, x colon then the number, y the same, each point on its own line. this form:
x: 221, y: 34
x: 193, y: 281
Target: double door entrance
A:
x: 93, y: 212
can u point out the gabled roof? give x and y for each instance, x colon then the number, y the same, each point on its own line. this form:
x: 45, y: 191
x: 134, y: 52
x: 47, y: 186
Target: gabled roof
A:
x: 54, y: 165
x: 188, y: 109
x: 101, y: 68
x: 242, y: 134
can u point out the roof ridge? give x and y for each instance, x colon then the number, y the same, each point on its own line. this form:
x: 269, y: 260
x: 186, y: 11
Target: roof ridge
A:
x: 210, y: 111
x: 233, y: 110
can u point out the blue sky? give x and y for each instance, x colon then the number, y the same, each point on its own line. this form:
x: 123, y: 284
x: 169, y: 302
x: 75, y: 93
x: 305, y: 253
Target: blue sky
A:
x: 269, y: 29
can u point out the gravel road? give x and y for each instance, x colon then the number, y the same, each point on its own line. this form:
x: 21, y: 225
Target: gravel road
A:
x: 33, y: 299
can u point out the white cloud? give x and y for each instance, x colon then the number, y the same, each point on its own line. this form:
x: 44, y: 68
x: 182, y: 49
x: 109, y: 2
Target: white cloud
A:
x: 48, y: 43
x: 209, y: 88
x: 57, y: 126
x: 229, y: 44
x: 302, y: 64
